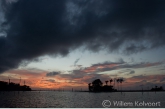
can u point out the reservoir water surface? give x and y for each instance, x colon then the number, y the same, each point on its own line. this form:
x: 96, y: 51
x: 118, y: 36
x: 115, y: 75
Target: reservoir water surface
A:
x: 53, y: 99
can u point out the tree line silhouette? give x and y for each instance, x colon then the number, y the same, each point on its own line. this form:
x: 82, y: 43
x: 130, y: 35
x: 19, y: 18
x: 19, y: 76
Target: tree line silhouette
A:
x: 97, y: 85
x: 157, y: 88
x: 10, y: 86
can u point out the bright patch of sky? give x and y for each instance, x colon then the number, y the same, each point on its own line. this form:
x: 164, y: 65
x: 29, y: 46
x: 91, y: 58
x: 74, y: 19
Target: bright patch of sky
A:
x: 86, y: 59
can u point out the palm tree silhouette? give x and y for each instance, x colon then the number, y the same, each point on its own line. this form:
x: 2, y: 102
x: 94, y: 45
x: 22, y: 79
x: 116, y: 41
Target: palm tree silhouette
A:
x: 9, y: 78
x: 20, y: 81
x: 24, y: 82
x: 118, y: 80
x: 110, y: 81
x: 106, y: 82
x: 114, y: 82
x: 156, y: 87
x: 121, y: 80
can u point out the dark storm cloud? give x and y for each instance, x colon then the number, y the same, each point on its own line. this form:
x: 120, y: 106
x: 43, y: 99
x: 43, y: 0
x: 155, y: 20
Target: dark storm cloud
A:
x: 56, y: 27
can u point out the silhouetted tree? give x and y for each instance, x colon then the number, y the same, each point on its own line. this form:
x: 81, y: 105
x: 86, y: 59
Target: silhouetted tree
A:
x: 106, y: 82
x: 110, y: 81
x: 97, y: 84
x: 89, y: 87
x: 157, y: 88
x: 114, y: 81
x: 9, y: 80
x: 24, y: 82
x: 13, y: 87
x: 118, y: 80
x: 161, y: 88
x: 20, y: 81
x: 121, y: 80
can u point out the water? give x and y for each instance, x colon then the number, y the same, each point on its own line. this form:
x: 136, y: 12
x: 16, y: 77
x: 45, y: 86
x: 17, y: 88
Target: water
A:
x: 52, y: 99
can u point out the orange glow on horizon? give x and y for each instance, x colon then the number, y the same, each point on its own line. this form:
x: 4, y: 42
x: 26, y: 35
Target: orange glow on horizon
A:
x: 39, y: 80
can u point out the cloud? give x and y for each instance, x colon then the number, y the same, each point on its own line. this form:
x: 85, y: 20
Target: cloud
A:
x: 101, y: 67
x: 162, y: 69
x: 50, y: 80
x: 76, y: 61
x: 109, y: 66
x: 132, y: 72
x: 58, y: 27
x: 93, y: 72
x: 124, y: 71
x: 52, y: 73
x: 149, y: 78
x: 142, y: 65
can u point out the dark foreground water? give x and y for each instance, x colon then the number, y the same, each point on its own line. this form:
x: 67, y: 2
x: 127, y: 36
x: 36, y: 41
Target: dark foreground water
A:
x: 51, y: 99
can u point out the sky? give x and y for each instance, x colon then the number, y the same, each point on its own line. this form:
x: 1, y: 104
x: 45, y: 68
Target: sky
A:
x: 65, y: 44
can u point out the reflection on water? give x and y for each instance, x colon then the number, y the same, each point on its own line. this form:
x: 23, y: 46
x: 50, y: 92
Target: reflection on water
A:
x: 52, y: 99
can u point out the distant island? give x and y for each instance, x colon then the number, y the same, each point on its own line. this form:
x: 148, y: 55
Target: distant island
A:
x: 10, y: 86
x: 97, y: 86
x: 157, y: 88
